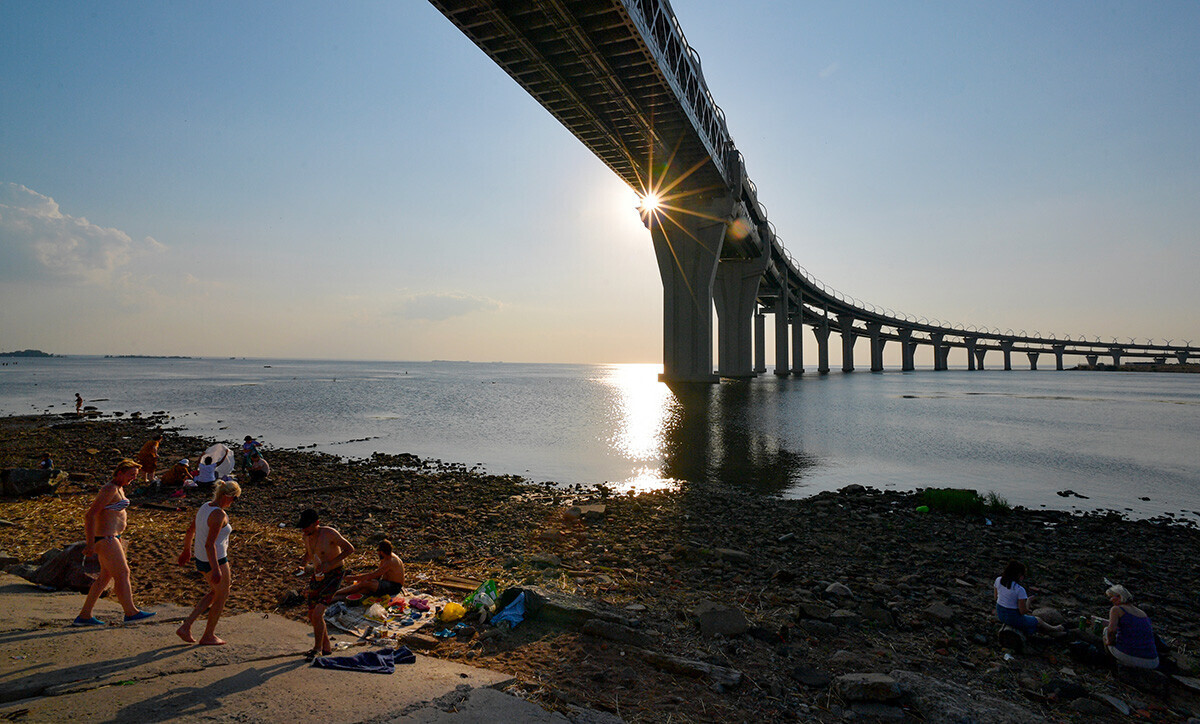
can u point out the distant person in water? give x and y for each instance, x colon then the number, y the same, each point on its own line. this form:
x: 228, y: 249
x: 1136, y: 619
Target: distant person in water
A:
x: 103, y: 525
x: 148, y: 456
x: 259, y: 469
x: 46, y: 463
x: 324, y: 551
x: 78, y: 403
x: 207, y: 539
x: 1012, y: 602
x: 386, y: 580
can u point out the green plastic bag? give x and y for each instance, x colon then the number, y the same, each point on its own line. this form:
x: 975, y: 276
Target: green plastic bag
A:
x: 485, y: 596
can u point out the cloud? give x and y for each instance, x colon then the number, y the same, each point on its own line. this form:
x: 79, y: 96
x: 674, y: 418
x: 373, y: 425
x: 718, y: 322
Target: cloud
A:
x: 38, y: 241
x: 829, y: 70
x: 440, y: 306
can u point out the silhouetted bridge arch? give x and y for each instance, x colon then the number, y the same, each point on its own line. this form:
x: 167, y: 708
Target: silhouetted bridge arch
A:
x: 620, y: 75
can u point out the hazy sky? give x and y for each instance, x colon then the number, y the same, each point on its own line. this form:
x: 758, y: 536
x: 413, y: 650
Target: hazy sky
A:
x: 357, y: 180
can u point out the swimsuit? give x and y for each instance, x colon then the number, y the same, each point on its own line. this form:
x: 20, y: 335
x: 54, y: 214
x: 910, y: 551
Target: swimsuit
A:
x: 322, y: 591
x: 121, y: 504
x: 204, y: 567
x: 388, y: 588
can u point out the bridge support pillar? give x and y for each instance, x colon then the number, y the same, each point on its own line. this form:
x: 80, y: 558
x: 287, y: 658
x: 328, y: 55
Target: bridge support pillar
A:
x: 1032, y: 360
x: 877, y: 340
x: 940, y: 350
x: 687, y: 251
x: 760, y: 343
x: 979, y: 353
x: 908, y: 349
x: 970, y: 342
x: 1092, y: 359
x: 1182, y: 356
x: 1059, y: 351
x: 1116, y: 353
x: 821, y: 332
x: 781, y: 334
x: 849, y: 337
x: 734, y: 292
x: 1007, y: 348
x: 798, y: 340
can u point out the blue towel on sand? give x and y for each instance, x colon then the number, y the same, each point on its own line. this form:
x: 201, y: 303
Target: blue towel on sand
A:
x: 382, y: 661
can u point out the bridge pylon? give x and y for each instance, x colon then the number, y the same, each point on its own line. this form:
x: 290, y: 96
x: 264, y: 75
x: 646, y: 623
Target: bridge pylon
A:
x: 688, y: 249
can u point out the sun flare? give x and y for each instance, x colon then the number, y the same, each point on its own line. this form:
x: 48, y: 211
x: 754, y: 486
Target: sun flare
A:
x: 650, y: 203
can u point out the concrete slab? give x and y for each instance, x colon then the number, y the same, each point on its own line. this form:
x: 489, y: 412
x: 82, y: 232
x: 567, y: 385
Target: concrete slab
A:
x: 51, y: 672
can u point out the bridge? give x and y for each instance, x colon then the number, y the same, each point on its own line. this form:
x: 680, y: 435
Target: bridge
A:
x: 620, y: 75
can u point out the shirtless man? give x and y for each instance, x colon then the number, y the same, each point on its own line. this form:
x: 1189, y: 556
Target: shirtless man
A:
x: 103, y: 524
x: 324, y: 551
x: 386, y: 580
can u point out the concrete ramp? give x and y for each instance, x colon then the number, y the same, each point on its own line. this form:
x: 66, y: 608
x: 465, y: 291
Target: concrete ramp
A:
x: 144, y: 673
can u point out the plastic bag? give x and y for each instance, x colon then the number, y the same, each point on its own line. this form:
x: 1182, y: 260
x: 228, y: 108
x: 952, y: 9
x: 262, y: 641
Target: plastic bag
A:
x: 376, y: 613
x: 452, y: 612
x: 486, y: 589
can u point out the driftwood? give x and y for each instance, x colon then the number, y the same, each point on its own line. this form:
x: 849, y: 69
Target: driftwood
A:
x: 458, y: 583
x: 159, y: 506
x: 319, y: 489
x: 688, y: 667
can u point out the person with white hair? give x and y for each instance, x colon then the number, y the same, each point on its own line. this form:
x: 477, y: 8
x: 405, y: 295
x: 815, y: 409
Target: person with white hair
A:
x: 1129, y: 637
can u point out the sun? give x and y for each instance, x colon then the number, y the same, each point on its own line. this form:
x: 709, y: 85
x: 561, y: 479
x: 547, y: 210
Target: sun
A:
x: 650, y: 203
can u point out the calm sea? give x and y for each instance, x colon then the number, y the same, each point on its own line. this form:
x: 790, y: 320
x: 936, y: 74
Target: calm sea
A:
x: 1114, y: 437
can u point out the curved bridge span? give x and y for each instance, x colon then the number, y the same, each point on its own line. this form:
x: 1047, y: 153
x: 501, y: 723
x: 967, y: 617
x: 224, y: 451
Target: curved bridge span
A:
x: 621, y: 77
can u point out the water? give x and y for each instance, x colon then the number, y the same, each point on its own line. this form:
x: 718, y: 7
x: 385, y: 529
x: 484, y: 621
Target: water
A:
x: 1114, y: 437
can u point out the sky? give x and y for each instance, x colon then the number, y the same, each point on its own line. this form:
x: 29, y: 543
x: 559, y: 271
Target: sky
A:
x: 359, y: 181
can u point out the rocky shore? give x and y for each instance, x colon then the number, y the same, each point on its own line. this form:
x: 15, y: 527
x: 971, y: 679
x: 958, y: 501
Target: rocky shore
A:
x: 722, y: 605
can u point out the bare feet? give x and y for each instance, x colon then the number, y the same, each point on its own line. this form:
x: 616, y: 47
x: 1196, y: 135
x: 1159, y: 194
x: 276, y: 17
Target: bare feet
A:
x: 185, y: 633
x: 213, y: 641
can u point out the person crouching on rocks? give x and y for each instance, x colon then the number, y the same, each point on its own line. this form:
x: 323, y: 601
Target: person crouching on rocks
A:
x: 1012, y: 602
x: 1129, y: 636
x: 207, y: 539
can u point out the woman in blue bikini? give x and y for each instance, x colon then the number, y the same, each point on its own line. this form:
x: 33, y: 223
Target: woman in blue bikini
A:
x: 103, y: 524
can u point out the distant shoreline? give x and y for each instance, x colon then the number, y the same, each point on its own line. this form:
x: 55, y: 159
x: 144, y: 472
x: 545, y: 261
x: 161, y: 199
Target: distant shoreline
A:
x: 1177, y: 368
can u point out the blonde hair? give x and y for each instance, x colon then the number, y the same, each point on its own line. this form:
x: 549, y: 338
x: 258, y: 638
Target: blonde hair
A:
x: 226, y: 487
x: 126, y: 464
x: 1120, y: 592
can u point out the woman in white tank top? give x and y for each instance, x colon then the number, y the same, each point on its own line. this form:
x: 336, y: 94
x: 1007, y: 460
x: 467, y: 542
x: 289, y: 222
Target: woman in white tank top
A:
x: 207, y: 538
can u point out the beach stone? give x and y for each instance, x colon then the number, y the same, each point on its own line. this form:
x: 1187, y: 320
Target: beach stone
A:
x: 819, y: 629
x: 939, y: 612
x: 719, y: 618
x: 25, y: 483
x: 813, y: 609
x: 875, y: 711
x: 1051, y: 616
x: 937, y: 700
x: 734, y: 556
x: 881, y: 616
x: 843, y: 658
x: 844, y: 617
x: 64, y: 569
x: 867, y: 687
x: 1089, y: 707
x: 1011, y: 639
x: 810, y: 677
x: 1120, y: 706
x: 545, y: 560
x: 615, y: 632
x: 840, y: 590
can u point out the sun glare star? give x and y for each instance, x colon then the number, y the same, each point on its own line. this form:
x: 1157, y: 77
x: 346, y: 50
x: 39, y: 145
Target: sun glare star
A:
x: 650, y: 203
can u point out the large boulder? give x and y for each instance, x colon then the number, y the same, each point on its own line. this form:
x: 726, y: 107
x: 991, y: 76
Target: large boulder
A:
x: 25, y: 483
x: 720, y: 618
x: 937, y: 700
x: 64, y: 569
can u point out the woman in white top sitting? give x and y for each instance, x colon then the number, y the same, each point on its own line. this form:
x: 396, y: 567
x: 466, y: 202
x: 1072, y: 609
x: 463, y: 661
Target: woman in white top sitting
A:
x: 1012, y: 602
x: 207, y: 538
